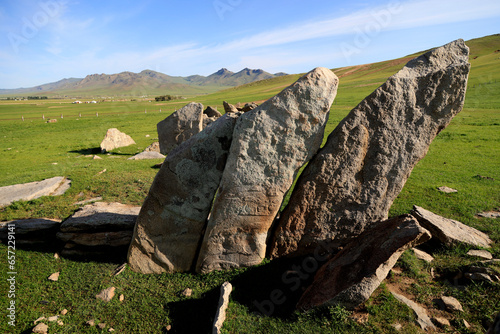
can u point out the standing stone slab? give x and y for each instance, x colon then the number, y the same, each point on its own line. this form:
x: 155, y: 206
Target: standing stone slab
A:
x: 356, y: 176
x: 180, y: 126
x: 114, y: 139
x: 354, y: 273
x: 450, y: 231
x: 171, y: 222
x: 270, y: 144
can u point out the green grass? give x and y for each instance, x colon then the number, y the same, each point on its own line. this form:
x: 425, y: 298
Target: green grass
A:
x: 464, y: 156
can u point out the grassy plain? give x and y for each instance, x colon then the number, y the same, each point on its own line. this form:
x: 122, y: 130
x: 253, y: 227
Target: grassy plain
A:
x: 465, y: 156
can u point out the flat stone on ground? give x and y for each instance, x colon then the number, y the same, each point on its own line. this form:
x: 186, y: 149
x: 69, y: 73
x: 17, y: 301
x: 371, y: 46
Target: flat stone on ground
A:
x: 27, y: 191
x: 480, y: 253
x: 147, y: 155
x: 450, y: 231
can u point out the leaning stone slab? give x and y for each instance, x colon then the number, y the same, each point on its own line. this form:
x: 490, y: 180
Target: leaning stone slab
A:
x: 28, y: 191
x: 423, y: 319
x: 349, y: 278
x: 102, y: 216
x: 114, y: 139
x: 355, y: 177
x: 450, y: 231
x: 270, y: 144
x: 147, y: 156
x: 180, y: 126
x: 172, y: 219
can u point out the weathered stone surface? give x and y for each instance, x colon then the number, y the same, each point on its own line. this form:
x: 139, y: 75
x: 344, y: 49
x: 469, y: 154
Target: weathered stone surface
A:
x: 154, y: 147
x: 229, y: 108
x: 147, y: 155
x: 111, y: 239
x: 423, y: 255
x: 171, y: 222
x: 355, y: 177
x: 452, y: 304
x: 349, y: 278
x: 220, y: 316
x: 423, y: 319
x: 102, y: 216
x: 211, y: 112
x: 270, y: 144
x: 441, y: 322
x: 27, y: 226
x: 106, y: 295
x: 249, y: 106
x: 27, y: 191
x: 114, y: 139
x: 180, y: 126
x: 480, y: 253
x: 450, y: 231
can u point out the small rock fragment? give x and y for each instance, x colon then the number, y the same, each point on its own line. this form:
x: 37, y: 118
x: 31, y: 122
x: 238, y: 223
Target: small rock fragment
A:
x: 122, y: 298
x: 38, y: 320
x: 53, y: 318
x: 480, y: 253
x: 447, y: 190
x: 54, y: 277
x: 111, y: 330
x: 101, y: 325
x: 41, y: 328
x: 397, y: 326
x: 441, y: 322
x: 56, y: 256
x: 90, y: 323
x: 466, y: 324
x: 60, y: 323
x: 187, y: 292
x: 422, y: 255
x: 64, y: 312
x: 96, y: 157
x: 422, y: 318
x: 106, y: 294
x: 452, y: 304
x: 489, y: 214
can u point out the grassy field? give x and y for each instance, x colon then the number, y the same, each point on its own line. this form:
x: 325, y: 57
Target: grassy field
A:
x: 465, y: 156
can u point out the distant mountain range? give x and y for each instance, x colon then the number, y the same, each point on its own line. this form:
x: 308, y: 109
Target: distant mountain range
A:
x: 147, y: 82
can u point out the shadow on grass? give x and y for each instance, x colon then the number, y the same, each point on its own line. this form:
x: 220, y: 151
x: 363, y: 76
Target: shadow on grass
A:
x: 271, y: 290
x: 95, y: 150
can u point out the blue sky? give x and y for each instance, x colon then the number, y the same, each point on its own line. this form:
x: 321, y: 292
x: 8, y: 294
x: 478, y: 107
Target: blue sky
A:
x: 48, y: 40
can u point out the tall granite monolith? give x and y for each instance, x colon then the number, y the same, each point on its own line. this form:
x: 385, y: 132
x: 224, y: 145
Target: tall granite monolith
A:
x: 170, y: 225
x: 356, y: 176
x: 270, y: 144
